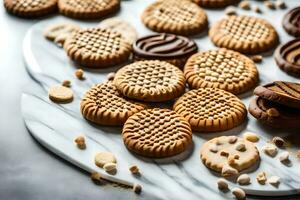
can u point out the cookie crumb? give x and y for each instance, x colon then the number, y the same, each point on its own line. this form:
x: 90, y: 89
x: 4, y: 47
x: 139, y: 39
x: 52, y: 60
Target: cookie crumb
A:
x: 280, y: 4
x: 240, y: 147
x: 270, y: 5
x: 274, y: 180
x: 244, y: 179
x: 284, y: 156
x: 229, y: 171
x: 261, y: 178
x: 79, y: 73
x: 66, y: 83
x: 137, y: 188
x: 252, y: 137
x: 110, y: 76
x: 134, y: 169
x: 80, y: 142
x: 245, y: 5
x: 273, y: 112
x: 230, y: 10
x: 103, y: 158
x: 278, y: 141
x: 238, y: 193
x: 257, y: 10
x: 270, y: 149
x: 213, y: 148
x: 232, y: 139
x: 256, y: 58
x: 110, y: 167
x: 222, y: 184
x: 96, y: 177
x: 60, y: 94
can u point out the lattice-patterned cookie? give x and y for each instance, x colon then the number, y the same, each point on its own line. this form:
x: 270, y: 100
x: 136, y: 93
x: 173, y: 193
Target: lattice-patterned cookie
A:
x: 88, y: 9
x: 157, y: 133
x: 103, y: 104
x: 97, y: 47
x: 179, y: 17
x: 222, y: 68
x: 151, y: 81
x: 211, y: 109
x: 30, y: 8
x: 225, y: 152
x: 245, y: 34
x: 215, y: 3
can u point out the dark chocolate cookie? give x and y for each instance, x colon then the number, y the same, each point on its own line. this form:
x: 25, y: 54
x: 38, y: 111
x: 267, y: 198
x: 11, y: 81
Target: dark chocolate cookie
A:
x: 291, y: 22
x: 274, y: 114
x: 285, y: 93
x: 287, y: 57
x: 172, y: 48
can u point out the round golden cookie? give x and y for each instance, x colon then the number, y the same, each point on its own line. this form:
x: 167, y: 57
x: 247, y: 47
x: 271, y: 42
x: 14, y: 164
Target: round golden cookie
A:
x: 60, y: 94
x: 157, y: 133
x: 215, y: 3
x: 224, y: 150
x: 150, y: 80
x: 30, y: 8
x: 180, y: 17
x: 211, y: 109
x: 97, y: 47
x: 222, y: 68
x: 88, y: 9
x: 103, y: 104
x: 245, y: 34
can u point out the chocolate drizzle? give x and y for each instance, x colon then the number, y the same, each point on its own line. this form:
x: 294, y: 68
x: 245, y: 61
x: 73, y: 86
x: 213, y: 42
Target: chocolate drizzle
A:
x: 291, y: 22
x: 164, y: 46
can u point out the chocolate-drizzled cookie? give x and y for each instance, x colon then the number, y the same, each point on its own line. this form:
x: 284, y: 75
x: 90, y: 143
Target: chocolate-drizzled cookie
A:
x: 287, y: 57
x: 291, y: 22
x: 174, y: 49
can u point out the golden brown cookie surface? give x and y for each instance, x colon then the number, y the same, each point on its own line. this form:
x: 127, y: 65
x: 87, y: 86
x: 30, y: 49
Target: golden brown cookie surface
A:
x: 97, y: 48
x: 245, y: 34
x: 157, y: 133
x: 211, y: 109
x: 103, y: 104
x: 215, y: 3
x: 88, y: 9
x: 180, y: 17
x: 222, y: 68
x: 151, y: 81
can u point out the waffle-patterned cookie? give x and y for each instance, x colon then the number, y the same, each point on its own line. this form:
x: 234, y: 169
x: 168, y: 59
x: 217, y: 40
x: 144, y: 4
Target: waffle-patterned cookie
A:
x: 150, y: 80
x: 211, y: 109
x: 30, y: 8
x: 103, y: 104
x: 215, y: 3
x: 180, y: 17
x: 222, y: 68
x: 245, y: 34
x: 157, y: 133
x: 88, y: 9
x: 230, y: 151
x: 97, y: 48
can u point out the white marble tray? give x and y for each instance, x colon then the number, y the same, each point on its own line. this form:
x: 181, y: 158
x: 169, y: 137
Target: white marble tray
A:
x: 179, y: 177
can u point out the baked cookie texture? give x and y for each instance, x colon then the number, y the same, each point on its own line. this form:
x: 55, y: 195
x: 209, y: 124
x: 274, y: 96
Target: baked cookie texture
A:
x: 171, y: 48
x: 226, y: 147
x: 245, y: 34
x: 285, y: 93
x: 30, y: 8
x: 88, y: 9
x: 221, y: 68
x: 181, y: 17
x: 97, y: 48
x: 215, y: 3
x: 211, y: 109
x: 157, y: 133
x: 291, y: 22
x: 287, y: 57
x: 104, y: 105
x: 150, y: 81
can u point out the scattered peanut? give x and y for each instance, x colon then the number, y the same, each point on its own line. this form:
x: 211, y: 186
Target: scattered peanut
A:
x: 273, y: 112
x: 240, y: 147
x: 79, y: 73
x: 252, y: 137
x: 238, y: 193
x: 104, y: 157
x: 257, y: 10
x: 243, y: 179
x: 284, y: 156
x: 80, y: 142
x: 257, y: 58
x: 261, y: 178
x: 222, y: 184
x: 229, y: 171
x: 244, y: 5
x: 232, y: 139
x: 137, y: 188
x: 66, y: 83
x: 110, y: 167
x: 96, y: 177
x: 230, y: 10
x: 134, y: 169
x: 274, y: 180
x: 270, y: 149
x: 270, y: 5
x: 278, y: 141
x: 280, y: 4
x: 111, y: 76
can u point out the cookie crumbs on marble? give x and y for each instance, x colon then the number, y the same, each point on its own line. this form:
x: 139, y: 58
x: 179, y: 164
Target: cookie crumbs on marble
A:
x: 256, y: 58
x: 66, y: 83
x: 252, y: 137
x: 245, y: 5
x: 103, y: 158
x: 80, y: 142
x: 244, y: 179
x: 137, y: 188
x: 270, y: 5
x: 228, y: 171
x: 222, y: 184
x: 60, y: 94
x: 230, y: 10
x: 256, y: 9
x: 96, y: 177
x: 284, y: 157
x: 261, y: 178
x: 278, y: 141
x: 110, y: 167
x: 270, y: 149
x: 280, y: 4
x: 79, y: 73
x: 134, y: 169
x: 274, y: 180
x: 239, y: 193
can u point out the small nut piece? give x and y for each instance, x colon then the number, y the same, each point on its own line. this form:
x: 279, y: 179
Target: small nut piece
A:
x: 80, y: 142
x: 79, y: 73
x: 257, y: 58
x: 238, y: 193
x: 278, y: 141
x: 252, y: 137
x: 257, y: 10
x: 284, y: 156
x: 134, y: 169
x: 245, y: 5
x: 270, y: 5
x: 274, y: 180
x: 96, y: 176
x: 103, y: 158
x: 224, y: 153
x: 222, y: 184
x: 273, y: 112
x: 230, y: 10
x: 229, y: 171
x: 280, y: 4
x: 270, y: 149
x: 137, y: 188
x: 232, y: 139
x: 243, y: 179
x: 213, y: 148
x: 110, y: 76
x: 109, y: 167
x: 261, y: 178
x: 66, y: 83
x: 240, y: 147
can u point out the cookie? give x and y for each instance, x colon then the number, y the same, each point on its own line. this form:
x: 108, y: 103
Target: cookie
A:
x: 121, y: 26
x: 274, y: 114
x: 30, y: 8
x: 225, y: 150
x: 211, y: 109
x: 180, y: 17
x: 157, y: 133
x: 104, y: 105
x: 287, y: 57
x: 221, y: 68
x: 245, y: 34
x: 215, y: 3
x: 88, y: 9
x: 97, y: 48
x: 171, y: 48
x: 150, y: 81
x: 60, y: 31
x: 291, y: 22
x: 285, y: 93
x: 60, y: 94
